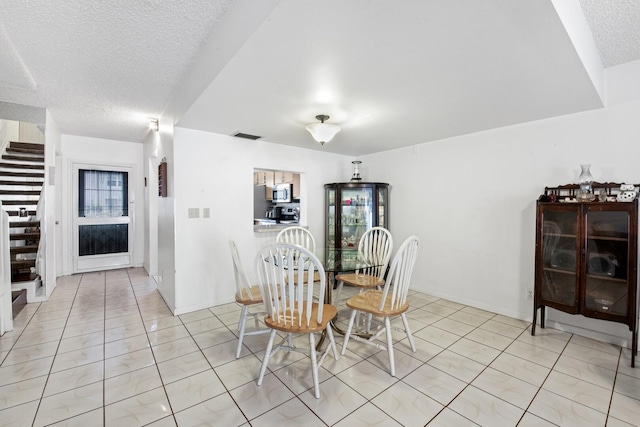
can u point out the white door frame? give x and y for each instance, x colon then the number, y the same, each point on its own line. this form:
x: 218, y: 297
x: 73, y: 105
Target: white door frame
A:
x: 106, y: 261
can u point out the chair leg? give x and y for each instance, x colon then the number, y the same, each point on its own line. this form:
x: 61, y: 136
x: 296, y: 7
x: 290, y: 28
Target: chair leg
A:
x: 368, y: 326
x: 370, y: 316
x: 408, y: 331
x: 387, y: 325
x: 267, y: 355
x: 348, y: 333
x: 243, y: 317
x: 314, y: 365
x: 241, y: 325
x: 338, y: 290
x: 332, y: 342
x: 255, y: 319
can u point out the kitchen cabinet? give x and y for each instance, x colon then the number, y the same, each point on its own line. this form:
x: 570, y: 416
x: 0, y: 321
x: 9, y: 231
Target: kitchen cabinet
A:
x: 269, y: 178
x: 351, y: 209
x: 586, y: 257
x: 283, y: 177
x: 263, y: 178
x: 296, y: 186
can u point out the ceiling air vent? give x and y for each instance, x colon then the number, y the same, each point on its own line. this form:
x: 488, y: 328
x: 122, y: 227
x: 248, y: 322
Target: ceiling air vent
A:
x: 246, y: 136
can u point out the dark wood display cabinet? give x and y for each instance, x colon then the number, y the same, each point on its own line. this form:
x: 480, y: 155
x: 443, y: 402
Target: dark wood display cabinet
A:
x: 351, y: 209
x: 586, y: 256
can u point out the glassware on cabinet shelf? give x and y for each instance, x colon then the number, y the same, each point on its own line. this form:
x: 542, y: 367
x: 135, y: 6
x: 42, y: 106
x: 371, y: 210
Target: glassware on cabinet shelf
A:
x: 356, y: 210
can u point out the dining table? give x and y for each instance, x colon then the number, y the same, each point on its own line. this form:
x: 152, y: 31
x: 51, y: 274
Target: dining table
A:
x: 339, y: 261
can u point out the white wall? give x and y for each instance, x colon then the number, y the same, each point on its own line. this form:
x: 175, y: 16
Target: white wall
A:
x: 6, y: 307
x: 150, y: 157
x: 165, y: 224
x: 97, y: 151
x: 216, y: 171
x: 52, y: 198
x: 9, y: 131
x: 471, y: 200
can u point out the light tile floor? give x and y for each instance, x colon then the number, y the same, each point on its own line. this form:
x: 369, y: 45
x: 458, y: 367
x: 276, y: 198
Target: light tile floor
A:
x: 106, y: 351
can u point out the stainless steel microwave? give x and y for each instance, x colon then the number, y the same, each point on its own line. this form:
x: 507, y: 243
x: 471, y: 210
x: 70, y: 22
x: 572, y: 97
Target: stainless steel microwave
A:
x: 282, y: 193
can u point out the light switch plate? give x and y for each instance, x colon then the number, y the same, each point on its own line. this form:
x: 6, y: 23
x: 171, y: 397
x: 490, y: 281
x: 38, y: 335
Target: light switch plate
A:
x: 194, y: 212
x: 206, y: 212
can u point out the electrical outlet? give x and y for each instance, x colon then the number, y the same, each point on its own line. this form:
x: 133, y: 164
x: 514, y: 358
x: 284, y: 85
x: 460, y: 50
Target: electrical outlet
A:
x: 206, y: 212
x: 529, y: 293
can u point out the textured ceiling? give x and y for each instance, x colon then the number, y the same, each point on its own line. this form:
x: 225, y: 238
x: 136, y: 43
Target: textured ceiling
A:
x: 615, y: 25
x: 389, y: 73
x: 101, y: 68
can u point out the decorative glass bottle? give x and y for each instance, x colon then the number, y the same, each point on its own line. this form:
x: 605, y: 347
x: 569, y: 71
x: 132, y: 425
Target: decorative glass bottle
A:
x: 356, y: 171
x: 584, y: 180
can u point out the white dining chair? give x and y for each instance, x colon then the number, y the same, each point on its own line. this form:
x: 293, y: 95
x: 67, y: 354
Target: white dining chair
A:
x: 297, y: 235
x: 247, y: 295
x: 300, y: 236
x: 389, y: 303
x: 375, y: 246
x: 286, y: 274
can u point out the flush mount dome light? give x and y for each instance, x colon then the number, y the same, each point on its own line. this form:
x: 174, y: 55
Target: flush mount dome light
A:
x: 323, y: 132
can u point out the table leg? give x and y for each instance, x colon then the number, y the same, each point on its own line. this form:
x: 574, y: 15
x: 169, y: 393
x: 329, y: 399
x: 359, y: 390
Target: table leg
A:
x: 330, y: 282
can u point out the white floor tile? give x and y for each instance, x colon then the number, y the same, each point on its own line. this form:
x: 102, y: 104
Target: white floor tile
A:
x: 138, y: 410
x: 107, y: 338
x: 407, y: 406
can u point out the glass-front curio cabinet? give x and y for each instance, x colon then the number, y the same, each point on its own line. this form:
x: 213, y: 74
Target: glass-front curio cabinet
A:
x: 586, y: 257
x: 351, y: 209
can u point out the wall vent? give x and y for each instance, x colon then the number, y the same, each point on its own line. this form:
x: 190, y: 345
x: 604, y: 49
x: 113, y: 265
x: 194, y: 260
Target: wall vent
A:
x: 246, y: 136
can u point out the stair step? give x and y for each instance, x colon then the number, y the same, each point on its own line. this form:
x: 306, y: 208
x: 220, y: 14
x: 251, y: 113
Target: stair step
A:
x: 15, y: 224
x: 20, y: 192
x: 17, y: 213
x: 22, y: 183
x: 22, y: 174
x: 24, y: 151
x: 23, y: 263
x: 20, y: 202
x: 24, y: 236
x: 20, y: 166
x: 27, y: 145
x: 23, y: 277
x: 27, y: 249
x: 23, y: 158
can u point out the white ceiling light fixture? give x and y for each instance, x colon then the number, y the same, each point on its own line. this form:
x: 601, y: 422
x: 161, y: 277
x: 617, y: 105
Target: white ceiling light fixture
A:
x: 323, y: 132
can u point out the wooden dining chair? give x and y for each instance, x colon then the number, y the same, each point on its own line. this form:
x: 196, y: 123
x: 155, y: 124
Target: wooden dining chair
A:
x: 375, y: 246
x: 297, y: 235
x: 292, y: 308
x: 389, y: 303
x: 247, y: 295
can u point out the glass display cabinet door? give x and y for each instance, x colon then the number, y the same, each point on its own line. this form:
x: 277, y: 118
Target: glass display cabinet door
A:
x: 607, y: 249
x: 559, y: 279
x: 330, y: 237
x: 383, y: 193
x: 356, y: 215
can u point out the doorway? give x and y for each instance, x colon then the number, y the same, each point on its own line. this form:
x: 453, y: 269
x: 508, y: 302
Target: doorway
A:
x: 102, y: 217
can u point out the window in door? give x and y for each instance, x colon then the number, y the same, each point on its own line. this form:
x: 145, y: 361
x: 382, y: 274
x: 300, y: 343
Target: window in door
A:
x: 103, y: 219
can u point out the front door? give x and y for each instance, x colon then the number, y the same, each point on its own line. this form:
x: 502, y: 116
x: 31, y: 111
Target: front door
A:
x: 102, y: 216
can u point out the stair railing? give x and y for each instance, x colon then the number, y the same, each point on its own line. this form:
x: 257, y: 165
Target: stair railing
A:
x: 40, y: 255
x: 6, y: 311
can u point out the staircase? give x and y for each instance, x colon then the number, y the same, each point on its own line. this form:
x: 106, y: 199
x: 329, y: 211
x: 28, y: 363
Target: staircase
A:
x: 21, y: 180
